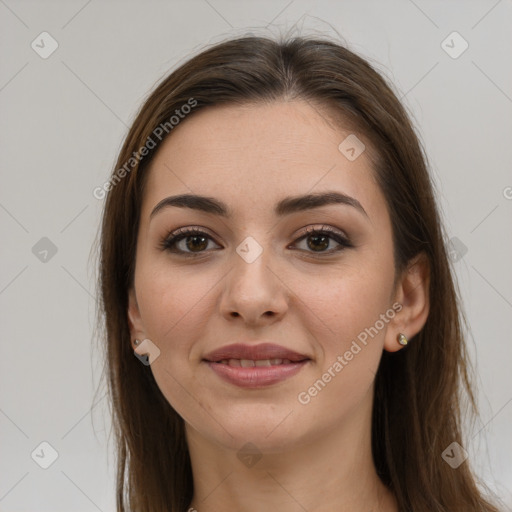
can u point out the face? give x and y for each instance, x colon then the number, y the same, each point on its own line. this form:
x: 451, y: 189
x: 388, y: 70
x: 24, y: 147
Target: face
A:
x: 314, y: 278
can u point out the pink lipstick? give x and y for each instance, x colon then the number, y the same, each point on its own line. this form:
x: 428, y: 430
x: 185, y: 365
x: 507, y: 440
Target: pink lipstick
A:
x: 255, y: 366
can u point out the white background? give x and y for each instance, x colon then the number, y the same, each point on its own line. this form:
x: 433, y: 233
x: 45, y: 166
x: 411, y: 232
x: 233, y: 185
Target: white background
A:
x: 63, y: 120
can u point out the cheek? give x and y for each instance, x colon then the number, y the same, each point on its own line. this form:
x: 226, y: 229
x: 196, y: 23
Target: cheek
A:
x: 176, y: 306
x: 172, y: 301
x: 356, y: 313
x: 346, y: 301
x: 353, y: 350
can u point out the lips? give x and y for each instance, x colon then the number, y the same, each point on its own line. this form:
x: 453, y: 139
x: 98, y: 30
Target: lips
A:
x: 275, y: 354
x: 249, y: 363
x: 255, y: 366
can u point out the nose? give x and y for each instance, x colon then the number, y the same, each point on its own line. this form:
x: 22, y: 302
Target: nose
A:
x: 254, y: 292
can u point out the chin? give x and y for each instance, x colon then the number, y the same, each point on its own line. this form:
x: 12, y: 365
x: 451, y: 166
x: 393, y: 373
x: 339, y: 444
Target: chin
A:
x: 271, y: 428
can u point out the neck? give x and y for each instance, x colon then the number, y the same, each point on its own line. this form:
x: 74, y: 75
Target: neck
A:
x: 332, y: 471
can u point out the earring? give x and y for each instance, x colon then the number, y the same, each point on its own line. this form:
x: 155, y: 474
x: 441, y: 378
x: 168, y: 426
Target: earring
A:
x: 402, y: 339
x: 136, y: 342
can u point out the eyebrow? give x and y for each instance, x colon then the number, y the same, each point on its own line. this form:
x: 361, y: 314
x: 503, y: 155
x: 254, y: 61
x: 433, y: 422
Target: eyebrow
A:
x: 286, y: 206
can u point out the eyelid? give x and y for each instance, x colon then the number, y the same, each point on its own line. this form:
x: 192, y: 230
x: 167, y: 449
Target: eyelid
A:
x: 314, y: 228
x: 190, y: 229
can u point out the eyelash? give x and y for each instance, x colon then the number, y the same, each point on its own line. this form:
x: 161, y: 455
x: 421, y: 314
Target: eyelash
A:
x: 173, y: 238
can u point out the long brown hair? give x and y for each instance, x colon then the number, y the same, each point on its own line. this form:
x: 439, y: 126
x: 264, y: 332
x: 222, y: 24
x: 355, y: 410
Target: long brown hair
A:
x: 416, y: 412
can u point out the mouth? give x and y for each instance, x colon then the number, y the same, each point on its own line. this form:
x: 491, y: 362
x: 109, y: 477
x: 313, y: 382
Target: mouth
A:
x: 250, y: 363
x: 255, y: 366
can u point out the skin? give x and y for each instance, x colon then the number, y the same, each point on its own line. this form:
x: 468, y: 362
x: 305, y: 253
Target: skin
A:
x: 314, y: 457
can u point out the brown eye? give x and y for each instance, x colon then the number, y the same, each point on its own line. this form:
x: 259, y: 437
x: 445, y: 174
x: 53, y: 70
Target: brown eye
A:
x: 196, y: 243
x: 193, y: 241
x: 320, y: 240
x: 187, y: 242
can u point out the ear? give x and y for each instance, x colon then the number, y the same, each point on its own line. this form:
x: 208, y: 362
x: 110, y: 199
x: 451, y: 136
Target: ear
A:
x: 137, y: 331
x: 412, y: 292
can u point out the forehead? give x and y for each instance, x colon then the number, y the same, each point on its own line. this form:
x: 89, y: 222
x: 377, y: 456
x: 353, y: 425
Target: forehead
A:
x: 251, y: 156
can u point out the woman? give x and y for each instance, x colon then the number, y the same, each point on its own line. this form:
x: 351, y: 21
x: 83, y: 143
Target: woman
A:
x: 272, y: 254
